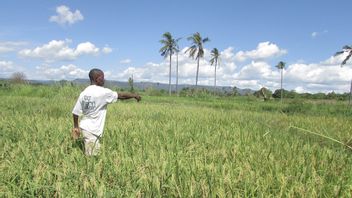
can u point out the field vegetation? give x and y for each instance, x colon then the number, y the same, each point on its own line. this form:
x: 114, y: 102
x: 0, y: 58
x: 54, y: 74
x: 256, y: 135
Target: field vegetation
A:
x: 167, y: 146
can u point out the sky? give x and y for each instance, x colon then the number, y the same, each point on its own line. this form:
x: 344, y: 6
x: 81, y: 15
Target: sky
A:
x: 63, y: 40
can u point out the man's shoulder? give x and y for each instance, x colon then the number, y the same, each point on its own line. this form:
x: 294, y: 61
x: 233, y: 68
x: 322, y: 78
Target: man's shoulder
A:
x: 99, y: 89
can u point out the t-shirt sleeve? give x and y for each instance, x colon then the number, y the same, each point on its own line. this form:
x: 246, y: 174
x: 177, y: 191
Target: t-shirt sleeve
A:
x: 111, y: 96
x: 77, y: 109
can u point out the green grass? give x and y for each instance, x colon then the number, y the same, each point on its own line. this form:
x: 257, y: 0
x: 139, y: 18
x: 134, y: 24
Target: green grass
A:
x: 174, y: 147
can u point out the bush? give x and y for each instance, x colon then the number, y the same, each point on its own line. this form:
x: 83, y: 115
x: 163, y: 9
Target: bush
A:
x: 150, y: 91
x: 297, y: 106
x: 18, y: 78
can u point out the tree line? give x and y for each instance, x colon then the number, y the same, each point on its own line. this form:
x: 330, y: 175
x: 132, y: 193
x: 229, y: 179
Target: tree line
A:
x: 196, y: 51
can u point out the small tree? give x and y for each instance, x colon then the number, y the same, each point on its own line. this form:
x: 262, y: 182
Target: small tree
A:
x: 130, y: 83
x: 263, y: 92
x: 18, y: 78
x: 235, y: 91
x: 281, y: 66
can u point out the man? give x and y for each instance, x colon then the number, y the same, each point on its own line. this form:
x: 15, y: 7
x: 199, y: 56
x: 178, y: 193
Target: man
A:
x: 91, y: 105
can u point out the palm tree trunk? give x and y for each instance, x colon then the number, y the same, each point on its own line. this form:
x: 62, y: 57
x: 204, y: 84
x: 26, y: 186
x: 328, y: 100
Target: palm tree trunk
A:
x: 216, y: 62
x: 349, y: 100
x: 281, y: 86
x: 197, y: 72
x: 170, y: 76
x: 176, y: 72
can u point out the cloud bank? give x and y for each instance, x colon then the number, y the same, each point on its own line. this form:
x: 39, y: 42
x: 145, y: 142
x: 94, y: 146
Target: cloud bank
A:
x: 59, y: 50
x: 244, y: 69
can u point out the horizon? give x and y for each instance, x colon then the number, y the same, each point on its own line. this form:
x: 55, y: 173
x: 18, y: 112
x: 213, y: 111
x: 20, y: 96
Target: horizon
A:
x: 63, y: 40
x: 180, y: 85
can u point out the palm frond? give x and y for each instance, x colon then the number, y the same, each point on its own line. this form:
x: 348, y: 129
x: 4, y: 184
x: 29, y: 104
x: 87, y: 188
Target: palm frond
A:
x: 346, y: 59
x: 192, y: 51
x: 190, y: 38
x: 200, y: 53
x: 215, y: 57
x: 338, y: 53
x: 206, y: 40
x: 347, y: 47
x: 191, y: 47
x: 212, y: 61
x: 164, y: 48
x: 196, y: 50
x: 178, y: 39
x: 281, y: 65
x: 168, y: 47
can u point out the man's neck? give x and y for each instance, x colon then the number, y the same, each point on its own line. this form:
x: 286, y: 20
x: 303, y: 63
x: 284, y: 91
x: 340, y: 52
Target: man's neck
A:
x: 92, y: 83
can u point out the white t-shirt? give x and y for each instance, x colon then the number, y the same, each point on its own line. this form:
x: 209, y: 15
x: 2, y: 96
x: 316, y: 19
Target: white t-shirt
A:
x: 92, y: 103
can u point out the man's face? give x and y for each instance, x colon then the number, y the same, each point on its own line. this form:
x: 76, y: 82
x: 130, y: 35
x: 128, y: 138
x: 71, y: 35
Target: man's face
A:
x: 99, y: 79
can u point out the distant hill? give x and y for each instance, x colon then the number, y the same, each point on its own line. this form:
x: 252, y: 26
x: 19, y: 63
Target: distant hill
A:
x: 145, y: 85
x: 164, y: 86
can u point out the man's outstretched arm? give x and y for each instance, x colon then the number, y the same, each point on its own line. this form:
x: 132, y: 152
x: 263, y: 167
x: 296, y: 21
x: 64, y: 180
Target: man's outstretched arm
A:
x: 124, y: 96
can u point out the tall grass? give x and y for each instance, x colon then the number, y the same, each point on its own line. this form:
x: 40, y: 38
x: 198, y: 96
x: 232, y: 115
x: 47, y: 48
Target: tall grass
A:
x: 173, y: 147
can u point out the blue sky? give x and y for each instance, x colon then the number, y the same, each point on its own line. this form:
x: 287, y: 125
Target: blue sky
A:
x: 64, y: 39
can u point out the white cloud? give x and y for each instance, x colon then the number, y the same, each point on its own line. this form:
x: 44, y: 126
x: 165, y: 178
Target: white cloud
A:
x: 300, y: 89
x: 9, y: 46
x: 159, y: 72
x: 68, y: 72
x: 264, y: 50
x: 324, y: 76
x: 337, y: 60
x: 58, y: 50
x: 65, y: 16
x: 4, y: 49
x: 126, y: 61
x: 251, y: 84
x: 259, y: 70
x: 6, y: 66
x: 315, y: 77
x: 257, y: 74
x: 314, y: 34
x: 107, y: 50
x: 228, y: 54
x: 86, y: 48
x: 318, y: 74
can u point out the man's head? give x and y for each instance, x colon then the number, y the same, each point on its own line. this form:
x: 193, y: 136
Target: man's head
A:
x: 96, y: 77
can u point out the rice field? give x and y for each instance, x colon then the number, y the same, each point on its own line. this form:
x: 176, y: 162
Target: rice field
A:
x: 175, y: 147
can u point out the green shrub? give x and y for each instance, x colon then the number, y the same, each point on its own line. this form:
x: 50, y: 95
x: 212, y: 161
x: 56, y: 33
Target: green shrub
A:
x: 297, y: 106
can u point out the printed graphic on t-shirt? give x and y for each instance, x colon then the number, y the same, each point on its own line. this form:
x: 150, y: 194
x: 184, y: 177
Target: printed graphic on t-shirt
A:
x: 87, y: 103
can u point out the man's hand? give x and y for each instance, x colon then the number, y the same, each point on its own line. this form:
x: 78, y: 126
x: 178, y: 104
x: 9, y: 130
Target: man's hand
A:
x: 75, y: 133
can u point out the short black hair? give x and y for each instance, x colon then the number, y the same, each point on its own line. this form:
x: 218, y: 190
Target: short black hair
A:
x: 93, y: 73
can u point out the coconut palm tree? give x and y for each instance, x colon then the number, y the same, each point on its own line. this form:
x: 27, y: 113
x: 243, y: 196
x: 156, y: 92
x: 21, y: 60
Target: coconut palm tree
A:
x: 168, y: 49
x: 215, y: 57
x: 281, y: 66
x: 196, y: 50
x: 348, y: 49
x: 177, y: 49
